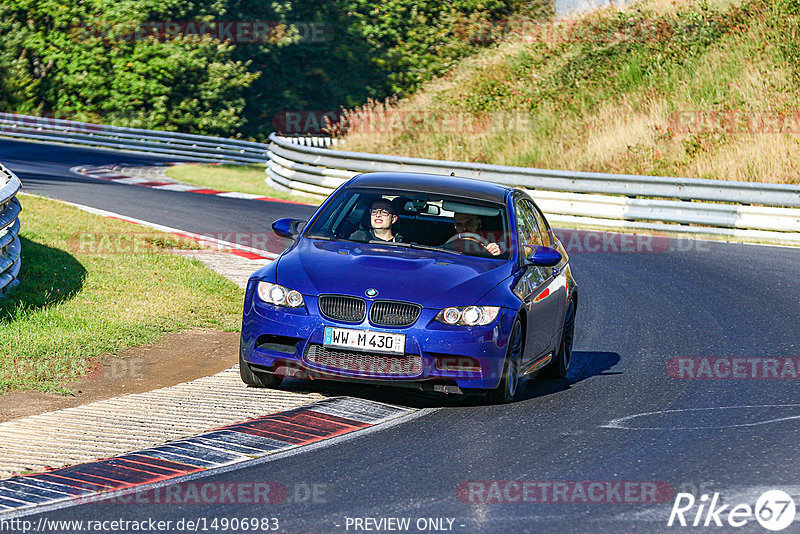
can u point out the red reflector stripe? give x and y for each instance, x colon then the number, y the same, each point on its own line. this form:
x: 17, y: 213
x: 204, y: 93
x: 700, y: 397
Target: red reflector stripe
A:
x: 206, y: 191
x: 543, y: 295
x: 457, y: 363
x: 153, y: 470
x: 158, y: 462
x: 248, y: 255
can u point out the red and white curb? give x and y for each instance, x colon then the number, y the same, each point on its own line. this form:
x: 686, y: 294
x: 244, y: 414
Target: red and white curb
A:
x: 116, y: 173
x: 224, y: 447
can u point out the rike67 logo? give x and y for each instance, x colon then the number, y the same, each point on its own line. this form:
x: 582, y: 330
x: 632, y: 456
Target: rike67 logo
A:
x: 774, y: 510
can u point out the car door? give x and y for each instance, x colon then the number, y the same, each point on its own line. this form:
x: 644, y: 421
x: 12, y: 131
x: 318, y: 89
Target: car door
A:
x: 557, y: 274
x: 533, y: 287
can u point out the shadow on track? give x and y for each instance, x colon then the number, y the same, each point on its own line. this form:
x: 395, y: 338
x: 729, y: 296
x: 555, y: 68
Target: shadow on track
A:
x: 48, y: 276
x: 584, y: 365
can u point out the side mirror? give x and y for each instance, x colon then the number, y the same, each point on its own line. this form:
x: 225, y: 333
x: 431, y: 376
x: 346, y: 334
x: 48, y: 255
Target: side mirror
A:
x: 287, y: 227
x: 542, y: 256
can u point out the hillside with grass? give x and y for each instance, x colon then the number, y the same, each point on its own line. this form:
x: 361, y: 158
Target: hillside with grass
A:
x: 676, y: 88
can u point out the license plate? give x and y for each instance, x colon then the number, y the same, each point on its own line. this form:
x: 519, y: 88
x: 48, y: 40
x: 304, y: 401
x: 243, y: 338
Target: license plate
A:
x: 366, y: 340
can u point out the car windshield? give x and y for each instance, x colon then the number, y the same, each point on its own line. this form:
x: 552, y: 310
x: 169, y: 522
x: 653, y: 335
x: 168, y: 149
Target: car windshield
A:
x: 454, y: 225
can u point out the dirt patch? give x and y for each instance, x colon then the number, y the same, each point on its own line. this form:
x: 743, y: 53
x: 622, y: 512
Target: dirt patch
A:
x: 179, y: 357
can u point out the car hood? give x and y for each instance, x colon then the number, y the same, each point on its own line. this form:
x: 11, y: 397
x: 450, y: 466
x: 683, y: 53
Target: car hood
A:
x: 430, y: 278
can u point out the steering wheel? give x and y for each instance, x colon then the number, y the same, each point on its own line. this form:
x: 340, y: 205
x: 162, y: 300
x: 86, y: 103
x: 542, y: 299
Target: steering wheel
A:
x: 469, y: 236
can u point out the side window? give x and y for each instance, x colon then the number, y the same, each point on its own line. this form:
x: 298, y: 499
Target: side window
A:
x: 543, y: 227
x: 349, y: 215
x: 526, y: 224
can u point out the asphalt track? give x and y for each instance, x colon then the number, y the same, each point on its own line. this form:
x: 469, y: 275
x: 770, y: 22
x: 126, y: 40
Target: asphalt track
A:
x: 44, y: 170
x: 738, y: 437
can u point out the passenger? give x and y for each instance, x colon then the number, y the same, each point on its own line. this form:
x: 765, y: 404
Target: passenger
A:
x: 466, y: 223
x: 382, y: 216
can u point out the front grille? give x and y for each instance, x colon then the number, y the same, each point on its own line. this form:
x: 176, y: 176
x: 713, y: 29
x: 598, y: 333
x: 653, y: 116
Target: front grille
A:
x: 343, y: 308
x: 393, y: 313
x: 364, y: 363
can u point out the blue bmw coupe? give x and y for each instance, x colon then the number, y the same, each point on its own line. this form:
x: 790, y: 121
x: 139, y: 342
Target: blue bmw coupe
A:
x: 434, y: 282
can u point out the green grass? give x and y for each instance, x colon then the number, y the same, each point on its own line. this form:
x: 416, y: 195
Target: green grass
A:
x: 601, y: 93
x: 92, y: 286
x: 239, y: 178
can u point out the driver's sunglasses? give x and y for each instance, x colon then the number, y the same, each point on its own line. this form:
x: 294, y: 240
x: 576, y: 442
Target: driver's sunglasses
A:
x: 377, y: 211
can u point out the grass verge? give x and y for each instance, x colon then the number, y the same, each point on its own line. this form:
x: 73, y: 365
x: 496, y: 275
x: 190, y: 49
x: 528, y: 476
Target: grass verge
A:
x: 91, y: 286
x: 239, y: 178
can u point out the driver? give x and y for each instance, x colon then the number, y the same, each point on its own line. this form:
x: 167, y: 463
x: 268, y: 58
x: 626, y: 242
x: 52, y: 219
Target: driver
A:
x: 381, y: 217
x: 466, y: 223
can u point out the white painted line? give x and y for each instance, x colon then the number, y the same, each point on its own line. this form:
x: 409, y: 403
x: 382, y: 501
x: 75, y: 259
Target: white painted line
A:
x: 89, y: 170
x: 176, y: 187
x: 132, y: 180
x: 621, y: 423
x: 233, y: 194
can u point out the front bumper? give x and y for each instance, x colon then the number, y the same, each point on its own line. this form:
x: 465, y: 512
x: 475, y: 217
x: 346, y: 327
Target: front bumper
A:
x: 288, y: 341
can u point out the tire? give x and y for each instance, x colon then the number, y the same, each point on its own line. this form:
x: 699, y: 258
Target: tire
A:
x: 560, y: 365
x: 509, y: 381
x: 256, y: 379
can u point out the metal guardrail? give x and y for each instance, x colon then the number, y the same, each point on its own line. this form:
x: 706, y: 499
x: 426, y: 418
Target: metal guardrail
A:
x: 306, y: 164
x: 749, y: 210
x: 197, y: 147
x: 10, y: 247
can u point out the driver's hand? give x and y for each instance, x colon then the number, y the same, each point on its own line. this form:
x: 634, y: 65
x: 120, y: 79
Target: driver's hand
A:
x: 493, y: 249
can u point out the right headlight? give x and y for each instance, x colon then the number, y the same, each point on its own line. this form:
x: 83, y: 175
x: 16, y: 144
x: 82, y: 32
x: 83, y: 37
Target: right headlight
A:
x: 279, y: 295
x: 468, y: 315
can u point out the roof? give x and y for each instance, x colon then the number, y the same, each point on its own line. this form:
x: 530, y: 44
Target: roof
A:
x: 432, y: 183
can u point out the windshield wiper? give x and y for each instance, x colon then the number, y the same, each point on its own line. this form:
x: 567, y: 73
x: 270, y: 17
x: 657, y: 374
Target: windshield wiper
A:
x: 437, y: 249
x: 331, y: 238
x: 322, y: 237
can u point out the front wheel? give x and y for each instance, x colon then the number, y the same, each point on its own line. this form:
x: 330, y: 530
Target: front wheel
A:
x: 255, y: 379
x: 507, y: 389
x: 560, y: 365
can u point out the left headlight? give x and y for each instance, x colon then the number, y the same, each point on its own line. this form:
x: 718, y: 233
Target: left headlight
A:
x: 279, y: 295
x: 468, y: 315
